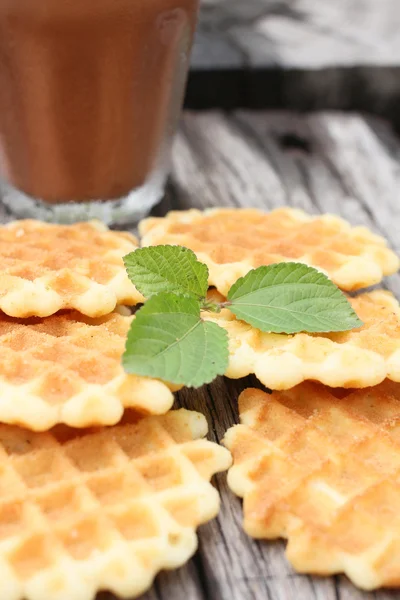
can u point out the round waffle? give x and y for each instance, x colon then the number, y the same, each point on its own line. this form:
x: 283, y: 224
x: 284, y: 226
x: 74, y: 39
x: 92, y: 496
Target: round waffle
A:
x: 231, y: 242
x: 45, y: 268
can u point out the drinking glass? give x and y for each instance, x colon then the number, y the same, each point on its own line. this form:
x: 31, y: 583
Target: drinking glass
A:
x: 90, y: 96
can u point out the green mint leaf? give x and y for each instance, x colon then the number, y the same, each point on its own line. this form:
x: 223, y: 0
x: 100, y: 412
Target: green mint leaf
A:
x: 159, y: 269
x: 291, y: 298
x: 169, y: 341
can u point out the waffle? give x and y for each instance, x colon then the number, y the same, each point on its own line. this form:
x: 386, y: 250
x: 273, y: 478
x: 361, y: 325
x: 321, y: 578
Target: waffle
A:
x: 324, y: 472
x: 67, y: 369
x: 233, y: 241
x: 46, y: 268
x: 358, y: 358
x: 103, y: 509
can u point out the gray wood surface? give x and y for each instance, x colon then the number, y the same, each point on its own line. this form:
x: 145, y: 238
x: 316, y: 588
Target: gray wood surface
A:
x: 298, y: 55
x: 297, y: 33
x: 345, y: 164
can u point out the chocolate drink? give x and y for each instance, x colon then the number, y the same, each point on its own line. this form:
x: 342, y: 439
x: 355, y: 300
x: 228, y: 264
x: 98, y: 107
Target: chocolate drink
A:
x: 90, y: 91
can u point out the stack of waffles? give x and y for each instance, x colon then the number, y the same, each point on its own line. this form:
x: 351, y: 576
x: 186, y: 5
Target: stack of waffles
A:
x: 317, y: 461
x: 101, y: 485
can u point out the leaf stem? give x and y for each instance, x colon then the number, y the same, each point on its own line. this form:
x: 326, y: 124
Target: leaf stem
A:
x: 214, y: 307
x: 225, y: 304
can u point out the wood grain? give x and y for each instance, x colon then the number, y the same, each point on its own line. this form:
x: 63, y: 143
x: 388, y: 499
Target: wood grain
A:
x: 297, y: 34
x: 298, y: 55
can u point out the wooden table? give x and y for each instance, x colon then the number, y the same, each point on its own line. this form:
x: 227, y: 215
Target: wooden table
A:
x: 346, y: 164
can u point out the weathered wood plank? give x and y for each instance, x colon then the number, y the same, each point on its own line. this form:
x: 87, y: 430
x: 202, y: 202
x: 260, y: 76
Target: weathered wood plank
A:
x: 298, y: 55
x: 306, y: 34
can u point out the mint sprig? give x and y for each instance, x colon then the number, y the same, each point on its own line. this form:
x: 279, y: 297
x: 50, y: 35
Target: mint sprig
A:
x: 169, y: 340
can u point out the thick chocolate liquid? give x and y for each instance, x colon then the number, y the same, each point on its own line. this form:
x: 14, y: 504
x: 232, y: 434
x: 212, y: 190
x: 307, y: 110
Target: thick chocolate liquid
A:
x: 89, y: 92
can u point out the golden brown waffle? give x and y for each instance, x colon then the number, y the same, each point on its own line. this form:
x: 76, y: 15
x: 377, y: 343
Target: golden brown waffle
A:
x: 358, y: 358
x: 324, y: 472
x: 67, y: 369
x: 105, y: 509
x: 46, y: 268
x: 233, y: 241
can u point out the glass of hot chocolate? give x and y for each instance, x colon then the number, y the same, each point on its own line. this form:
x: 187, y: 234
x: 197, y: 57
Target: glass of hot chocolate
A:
x: 90, y: 96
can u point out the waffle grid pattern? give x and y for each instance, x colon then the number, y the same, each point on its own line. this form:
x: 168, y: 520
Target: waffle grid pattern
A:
x: 232, y: 242
x: 67, y: 369
x: 103, y: 510
x: 46, y: 268
x: 323, y: 472
x: 358, y: 358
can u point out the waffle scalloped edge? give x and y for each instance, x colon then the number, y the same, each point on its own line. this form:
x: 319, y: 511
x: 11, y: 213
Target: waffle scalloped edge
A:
x: 349, y: 271
x: 48, y: 272
x: 67, y: 368
x: 106, y: 510
x: 355, y: 359
x: 323, y: 472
